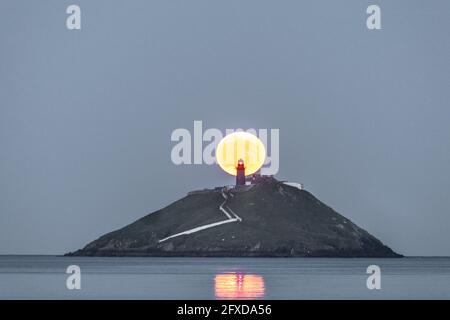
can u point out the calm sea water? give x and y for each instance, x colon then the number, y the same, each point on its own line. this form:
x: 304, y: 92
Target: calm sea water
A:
x: 44, y: 277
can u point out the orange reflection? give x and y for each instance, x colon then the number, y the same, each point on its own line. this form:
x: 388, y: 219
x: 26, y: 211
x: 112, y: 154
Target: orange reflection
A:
x: 239, y: 286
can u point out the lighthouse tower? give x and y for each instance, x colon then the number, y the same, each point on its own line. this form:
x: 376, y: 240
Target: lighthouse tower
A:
x: 240, y: 176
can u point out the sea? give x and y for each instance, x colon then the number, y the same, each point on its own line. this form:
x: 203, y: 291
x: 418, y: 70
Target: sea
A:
x: 58, y: 277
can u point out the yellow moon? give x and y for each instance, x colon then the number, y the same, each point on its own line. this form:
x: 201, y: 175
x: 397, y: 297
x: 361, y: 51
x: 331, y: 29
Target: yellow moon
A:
x: 240, y: 145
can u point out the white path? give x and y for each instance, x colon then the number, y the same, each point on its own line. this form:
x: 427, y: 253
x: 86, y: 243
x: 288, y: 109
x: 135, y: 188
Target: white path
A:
x: 223, y: 208
x: 225, y: 197
x: 206, y: 226
x: 234, y: 214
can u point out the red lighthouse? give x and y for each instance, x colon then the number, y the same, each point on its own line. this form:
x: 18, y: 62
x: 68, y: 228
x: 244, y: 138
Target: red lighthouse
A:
x: 240, y: 175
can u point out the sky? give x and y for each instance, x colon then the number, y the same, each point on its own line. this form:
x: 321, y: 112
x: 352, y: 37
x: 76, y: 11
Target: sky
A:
x: 86, y: 115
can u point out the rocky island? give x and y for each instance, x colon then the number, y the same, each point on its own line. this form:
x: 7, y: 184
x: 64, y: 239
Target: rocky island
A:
x: 269, y: 218
x: 265, y: 219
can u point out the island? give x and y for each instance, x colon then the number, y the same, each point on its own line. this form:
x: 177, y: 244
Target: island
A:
x: 268, y: 218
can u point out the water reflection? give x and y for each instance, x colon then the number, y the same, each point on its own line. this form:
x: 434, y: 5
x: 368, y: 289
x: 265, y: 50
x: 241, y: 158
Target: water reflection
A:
x: 239, y: 286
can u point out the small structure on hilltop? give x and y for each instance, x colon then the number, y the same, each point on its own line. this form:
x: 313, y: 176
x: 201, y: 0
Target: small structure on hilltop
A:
x: 240, y: 173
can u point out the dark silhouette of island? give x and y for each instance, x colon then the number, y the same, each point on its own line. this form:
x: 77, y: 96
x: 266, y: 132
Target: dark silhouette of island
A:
x: 266, y: 219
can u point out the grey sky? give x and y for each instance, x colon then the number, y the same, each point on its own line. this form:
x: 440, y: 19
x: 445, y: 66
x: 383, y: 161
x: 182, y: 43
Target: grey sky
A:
x: 86, y: 116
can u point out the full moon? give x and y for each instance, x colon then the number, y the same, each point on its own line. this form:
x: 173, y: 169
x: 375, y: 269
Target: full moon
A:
x: 240, y: 146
